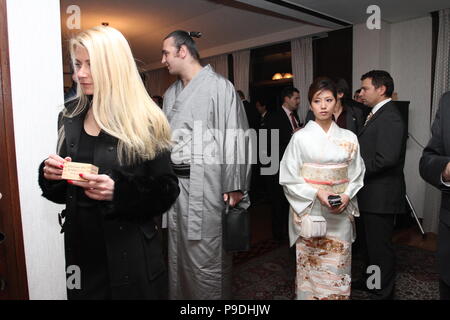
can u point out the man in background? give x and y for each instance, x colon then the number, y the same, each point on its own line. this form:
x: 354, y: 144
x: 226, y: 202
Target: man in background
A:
x: 286, y: 121
x: 435, y: 169
x: 250, y: 111
x: 383, y: 146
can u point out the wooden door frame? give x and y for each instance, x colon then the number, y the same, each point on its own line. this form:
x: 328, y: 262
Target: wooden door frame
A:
x: 10, y: 214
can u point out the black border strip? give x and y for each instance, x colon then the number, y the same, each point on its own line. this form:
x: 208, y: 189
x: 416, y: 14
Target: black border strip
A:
x: 308, y: 11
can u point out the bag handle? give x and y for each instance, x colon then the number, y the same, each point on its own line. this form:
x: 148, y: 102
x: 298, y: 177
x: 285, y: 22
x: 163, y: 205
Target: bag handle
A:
x: 227, y: 206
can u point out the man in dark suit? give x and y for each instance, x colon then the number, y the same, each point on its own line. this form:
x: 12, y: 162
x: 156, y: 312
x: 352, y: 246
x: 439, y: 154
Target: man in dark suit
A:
x: 263, y: 112
x: 435, y: 169
x: 383, y: 146
x: 286, y: 121
x: 250, y: 111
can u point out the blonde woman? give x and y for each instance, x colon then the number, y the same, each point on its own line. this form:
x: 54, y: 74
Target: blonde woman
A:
x: 109, y: 233
x: 322, y: 161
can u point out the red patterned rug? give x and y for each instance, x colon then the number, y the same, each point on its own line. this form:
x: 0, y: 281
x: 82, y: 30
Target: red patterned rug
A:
x: 267, y: 272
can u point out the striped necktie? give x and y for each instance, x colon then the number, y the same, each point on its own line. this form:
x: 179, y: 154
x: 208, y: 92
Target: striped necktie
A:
x: 369, y: 116
x: 294, y: 121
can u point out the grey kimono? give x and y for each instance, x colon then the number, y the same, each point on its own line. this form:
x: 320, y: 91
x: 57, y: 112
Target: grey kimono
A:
x: 208, y: 122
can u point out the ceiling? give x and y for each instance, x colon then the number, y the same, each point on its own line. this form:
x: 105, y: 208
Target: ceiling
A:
x: 354, y: 11
x: 145, y: 23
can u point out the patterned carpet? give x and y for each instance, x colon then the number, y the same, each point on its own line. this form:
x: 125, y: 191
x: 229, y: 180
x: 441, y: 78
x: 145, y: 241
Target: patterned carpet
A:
x: 267, y: 272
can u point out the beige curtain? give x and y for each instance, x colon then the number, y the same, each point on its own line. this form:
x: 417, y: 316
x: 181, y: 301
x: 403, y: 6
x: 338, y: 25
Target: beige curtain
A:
x: 219, y: 64
x: 157, y: 81
x: 302, y: 69
x: 241, y: 71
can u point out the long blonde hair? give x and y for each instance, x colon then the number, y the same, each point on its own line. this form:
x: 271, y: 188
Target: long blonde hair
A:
x: 121, y: 105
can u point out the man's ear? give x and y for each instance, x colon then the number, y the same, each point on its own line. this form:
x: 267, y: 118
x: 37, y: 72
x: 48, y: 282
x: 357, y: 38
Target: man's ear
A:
x: 382, y: 90
x: 183, y: 51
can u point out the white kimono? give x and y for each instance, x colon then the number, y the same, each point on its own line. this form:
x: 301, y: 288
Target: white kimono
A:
x: 204, y: 116
x: 315, y: 159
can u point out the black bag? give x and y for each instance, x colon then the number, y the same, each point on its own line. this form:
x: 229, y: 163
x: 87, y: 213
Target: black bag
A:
x: 235, y: 229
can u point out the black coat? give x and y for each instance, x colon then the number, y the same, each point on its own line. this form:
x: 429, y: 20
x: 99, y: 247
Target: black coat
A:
x: 142, y: 191
x: 434, y: 159
x: 278, y: 120
x: 383, y: 147
x: 354, y: 115
x: 251, y: 113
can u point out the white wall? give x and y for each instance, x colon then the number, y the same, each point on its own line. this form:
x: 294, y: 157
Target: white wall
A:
x: 370, y: 50
x: 411, y: 50
x: 404, y: 50
x: 37, y: 82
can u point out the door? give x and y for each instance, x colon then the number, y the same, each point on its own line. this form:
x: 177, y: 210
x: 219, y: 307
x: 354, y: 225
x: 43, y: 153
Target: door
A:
x: 13, y: 280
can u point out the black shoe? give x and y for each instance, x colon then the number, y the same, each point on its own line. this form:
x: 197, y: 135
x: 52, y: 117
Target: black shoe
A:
x: 360, y: 284
x: 375, y: 295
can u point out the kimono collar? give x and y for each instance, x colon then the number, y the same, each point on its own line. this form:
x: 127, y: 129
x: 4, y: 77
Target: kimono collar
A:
x: 204, y: 71
x: 318, y: 127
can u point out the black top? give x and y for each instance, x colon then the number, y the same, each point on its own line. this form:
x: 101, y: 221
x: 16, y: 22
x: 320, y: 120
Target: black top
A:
x: 85, y: 155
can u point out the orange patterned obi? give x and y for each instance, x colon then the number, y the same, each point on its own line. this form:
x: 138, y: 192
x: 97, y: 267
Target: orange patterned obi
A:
x: 329, y: 177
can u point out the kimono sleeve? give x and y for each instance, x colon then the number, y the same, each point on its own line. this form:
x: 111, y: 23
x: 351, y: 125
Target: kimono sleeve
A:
x: 356, y: 171
x: 299, y: 193
x: 237, y: 144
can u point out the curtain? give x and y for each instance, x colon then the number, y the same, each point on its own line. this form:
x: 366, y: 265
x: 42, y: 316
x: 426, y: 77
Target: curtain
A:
x: 302, y: 69
x: 441, y: 85
x: 157, y: 81
x: 442, y: 70
x: 241, y: 71
x: 219, y: 64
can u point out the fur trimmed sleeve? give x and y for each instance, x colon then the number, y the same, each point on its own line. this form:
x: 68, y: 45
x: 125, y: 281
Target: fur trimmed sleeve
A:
x: 52, y: 190
x: 146, y: 190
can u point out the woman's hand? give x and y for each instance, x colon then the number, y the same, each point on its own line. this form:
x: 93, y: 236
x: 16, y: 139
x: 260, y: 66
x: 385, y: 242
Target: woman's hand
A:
x: 323, y: 195
x: 98, y: 186
x: 53, y: 167
x: 345, y: 199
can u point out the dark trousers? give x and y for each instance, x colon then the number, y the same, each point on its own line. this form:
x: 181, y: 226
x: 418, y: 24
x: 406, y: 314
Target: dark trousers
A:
x: 377, y: 250
x: 444, y: 290
x: 443, y: 260
x: 280, y: 208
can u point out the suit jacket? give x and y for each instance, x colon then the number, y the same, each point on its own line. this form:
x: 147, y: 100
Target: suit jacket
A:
x: 278, y: 119
x: 434, y: 159
x: 251, y: 113
x: 383, y: 147
x: 354, y: 116
x: 142, y: 191
x: 262, y: 120
x: 436, y: 155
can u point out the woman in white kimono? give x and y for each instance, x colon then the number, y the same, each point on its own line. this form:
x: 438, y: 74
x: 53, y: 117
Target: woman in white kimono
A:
x: 322, y: 160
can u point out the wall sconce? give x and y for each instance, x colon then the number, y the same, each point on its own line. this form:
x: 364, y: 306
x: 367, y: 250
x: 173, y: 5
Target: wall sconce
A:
x: 277, y: 76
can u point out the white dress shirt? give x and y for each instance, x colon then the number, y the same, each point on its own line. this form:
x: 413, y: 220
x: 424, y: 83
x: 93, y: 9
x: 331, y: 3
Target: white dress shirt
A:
x: 379, y: 105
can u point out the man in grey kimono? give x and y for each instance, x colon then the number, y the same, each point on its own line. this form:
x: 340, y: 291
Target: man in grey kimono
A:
x: 211, y: 158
